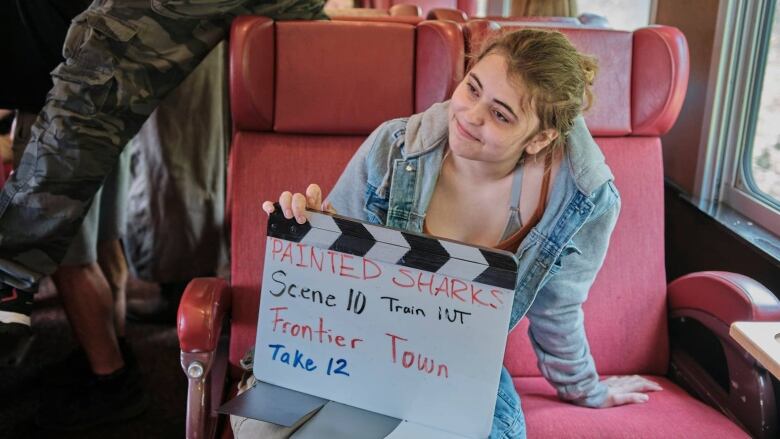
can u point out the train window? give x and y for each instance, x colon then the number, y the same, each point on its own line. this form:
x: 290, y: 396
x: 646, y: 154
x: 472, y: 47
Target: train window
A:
x: 739, y: 164
x: 621, y: 14
x: 762, y: 174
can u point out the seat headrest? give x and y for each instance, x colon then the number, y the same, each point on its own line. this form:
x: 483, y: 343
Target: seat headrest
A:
x: 659, y: 80
x: 455, y: 15
x: 642, y: 76
x: 338, y: 77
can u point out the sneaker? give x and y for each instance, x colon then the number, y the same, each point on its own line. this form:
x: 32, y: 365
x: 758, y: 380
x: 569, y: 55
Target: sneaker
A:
x: 15, y: 334
x: 101, y: 400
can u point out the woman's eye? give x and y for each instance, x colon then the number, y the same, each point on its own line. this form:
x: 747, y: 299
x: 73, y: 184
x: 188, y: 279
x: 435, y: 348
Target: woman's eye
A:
x: 500, y: 117
x: 472, y: 89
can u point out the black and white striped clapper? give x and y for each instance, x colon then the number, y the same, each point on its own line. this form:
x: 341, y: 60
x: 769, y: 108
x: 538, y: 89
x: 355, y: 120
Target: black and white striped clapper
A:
x: 450, y: 258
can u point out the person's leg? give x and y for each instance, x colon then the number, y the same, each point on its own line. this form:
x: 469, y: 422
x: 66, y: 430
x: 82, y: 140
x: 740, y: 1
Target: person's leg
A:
x: 86, y: 297
x: 104, y: 383
x: 111, y: 259
x: 111, y: 228
x: 122, y: 58
x: 247, y: 428
x: 100, y: 385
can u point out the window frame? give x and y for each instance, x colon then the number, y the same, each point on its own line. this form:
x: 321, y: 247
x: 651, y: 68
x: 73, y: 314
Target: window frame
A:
x: 740, y: 53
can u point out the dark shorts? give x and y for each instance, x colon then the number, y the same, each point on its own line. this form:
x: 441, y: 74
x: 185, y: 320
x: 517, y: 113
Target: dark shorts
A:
x: 105, y: 219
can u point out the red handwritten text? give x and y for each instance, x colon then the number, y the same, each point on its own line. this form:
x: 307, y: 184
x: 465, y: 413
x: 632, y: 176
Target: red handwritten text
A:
x: 341, y: 264
x: 307, y: 332
x: 410, y: 359
x: 451, y: 288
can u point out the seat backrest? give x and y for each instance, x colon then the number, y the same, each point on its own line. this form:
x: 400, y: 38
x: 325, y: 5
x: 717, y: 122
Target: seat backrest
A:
x: 304, y: 95
x: 638, y: 94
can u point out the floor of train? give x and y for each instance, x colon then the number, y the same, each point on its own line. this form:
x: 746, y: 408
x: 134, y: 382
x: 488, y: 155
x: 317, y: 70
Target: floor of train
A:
x: 156, y: 347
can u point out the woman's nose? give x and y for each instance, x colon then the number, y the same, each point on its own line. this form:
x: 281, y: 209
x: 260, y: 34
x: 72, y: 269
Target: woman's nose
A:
x: 473, y: 115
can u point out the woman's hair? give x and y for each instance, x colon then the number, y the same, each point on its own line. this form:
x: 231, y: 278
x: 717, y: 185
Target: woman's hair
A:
x: 557, y: 76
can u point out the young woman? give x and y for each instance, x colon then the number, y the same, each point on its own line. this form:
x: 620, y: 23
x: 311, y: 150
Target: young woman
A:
x: 511, y: 156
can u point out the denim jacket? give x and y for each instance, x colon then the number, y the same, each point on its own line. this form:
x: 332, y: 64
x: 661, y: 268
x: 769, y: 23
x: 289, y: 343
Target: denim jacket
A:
x: 390, y: 181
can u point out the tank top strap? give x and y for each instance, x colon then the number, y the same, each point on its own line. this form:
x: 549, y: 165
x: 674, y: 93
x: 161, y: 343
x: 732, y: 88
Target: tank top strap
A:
x: 542, y: 204
x: 517, y: 184
x: 513, y: 242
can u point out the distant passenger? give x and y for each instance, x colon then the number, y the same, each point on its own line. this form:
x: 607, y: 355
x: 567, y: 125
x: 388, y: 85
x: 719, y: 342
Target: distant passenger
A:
x: 512, y: 135
x: 543, y: 8
x: 555, y: 8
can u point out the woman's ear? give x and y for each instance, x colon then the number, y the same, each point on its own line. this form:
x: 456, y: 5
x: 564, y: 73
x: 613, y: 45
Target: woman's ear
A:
x: 541, y: 140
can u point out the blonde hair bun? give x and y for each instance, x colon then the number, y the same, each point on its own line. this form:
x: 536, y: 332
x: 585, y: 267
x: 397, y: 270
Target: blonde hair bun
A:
x: 558, y: 77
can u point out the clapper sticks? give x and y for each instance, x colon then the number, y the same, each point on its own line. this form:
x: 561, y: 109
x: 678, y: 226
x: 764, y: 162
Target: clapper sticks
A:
x: 388, y: 333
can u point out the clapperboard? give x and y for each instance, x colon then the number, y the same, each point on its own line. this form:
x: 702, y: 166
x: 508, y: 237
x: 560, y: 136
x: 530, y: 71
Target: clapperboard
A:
x: 381, y: 333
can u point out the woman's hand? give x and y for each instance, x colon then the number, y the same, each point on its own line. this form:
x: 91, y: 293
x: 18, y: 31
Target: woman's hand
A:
x: 628, y: 390
x: 294, y: 205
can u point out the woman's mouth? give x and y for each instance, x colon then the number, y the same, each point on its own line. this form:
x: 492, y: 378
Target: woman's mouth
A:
x: 463, y: 133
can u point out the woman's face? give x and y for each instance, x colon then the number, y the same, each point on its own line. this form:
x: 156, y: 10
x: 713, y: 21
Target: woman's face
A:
x: 488, y: 121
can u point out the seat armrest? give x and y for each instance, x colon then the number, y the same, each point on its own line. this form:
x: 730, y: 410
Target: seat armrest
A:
x: 203, y: 351
x: 201, y: 312
x: 707, y: 361
x: 729, y: 297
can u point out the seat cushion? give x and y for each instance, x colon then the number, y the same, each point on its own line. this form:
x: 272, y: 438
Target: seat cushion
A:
x: 260, y: 169
x: 670, y: 413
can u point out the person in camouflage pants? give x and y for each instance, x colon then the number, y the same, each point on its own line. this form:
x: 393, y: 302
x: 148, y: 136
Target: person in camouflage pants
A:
x: 121, y: 58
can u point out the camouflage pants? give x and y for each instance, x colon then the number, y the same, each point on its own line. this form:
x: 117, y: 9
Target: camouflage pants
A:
x: 122, y: 58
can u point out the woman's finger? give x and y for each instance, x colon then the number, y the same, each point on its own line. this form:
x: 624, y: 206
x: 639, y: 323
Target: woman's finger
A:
x: 629, y: 398
x: 644, y: 385
x: 633, y: 383
x: 299, y: 207
x: 285, y: 201
x: 268, y: 207
x: 313, y: 196
x: 327, y: 206
x: 636, y: 383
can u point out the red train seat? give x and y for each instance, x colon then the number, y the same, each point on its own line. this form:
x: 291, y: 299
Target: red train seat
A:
x: 295, y: 124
